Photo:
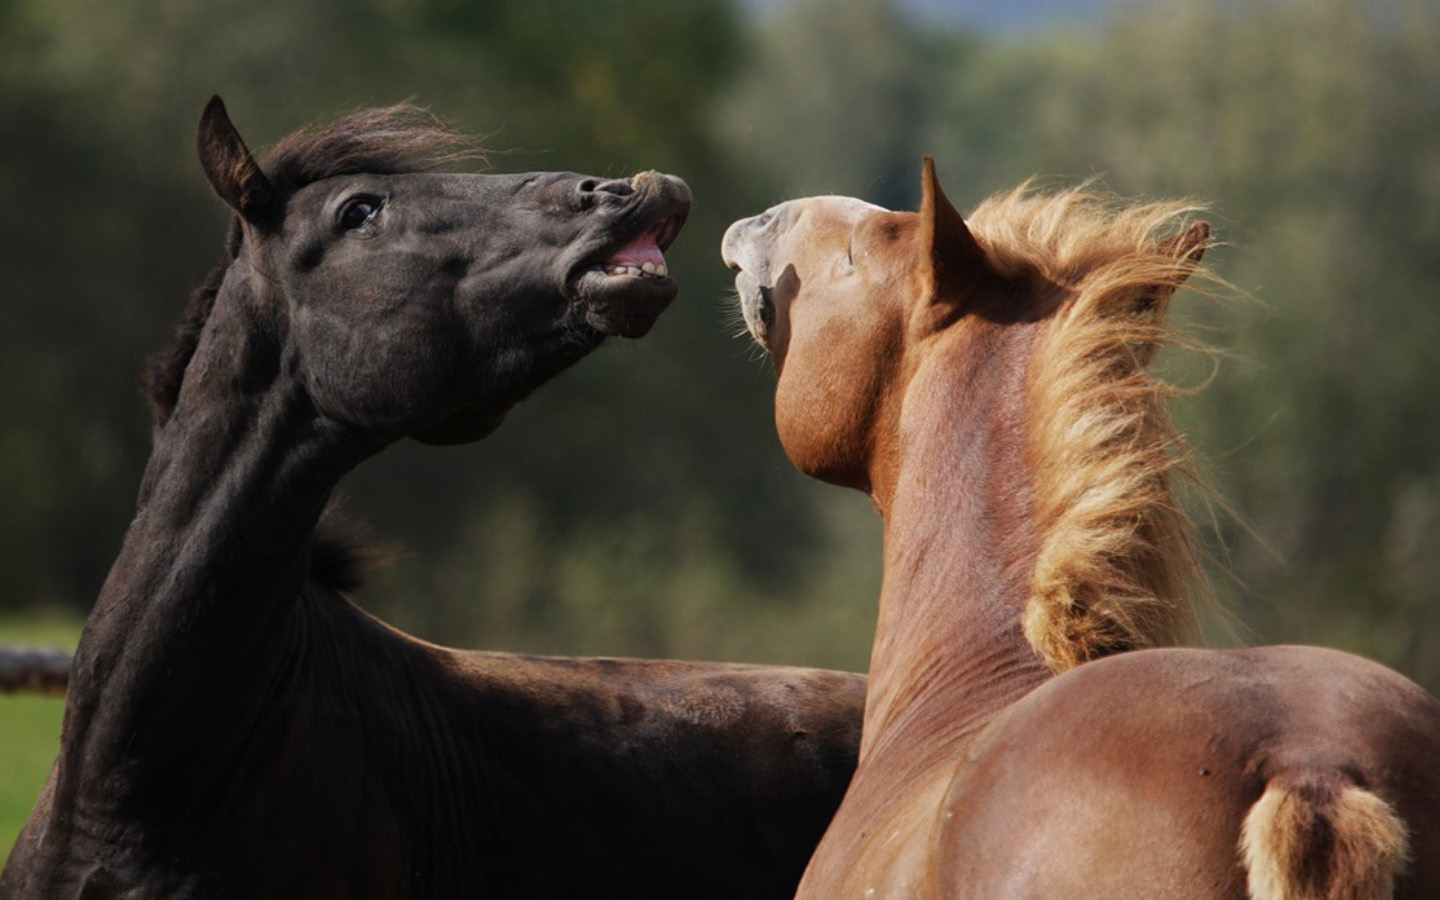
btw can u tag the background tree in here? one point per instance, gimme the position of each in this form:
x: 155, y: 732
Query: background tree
x: 641, y: 504
x: 1311, y: 128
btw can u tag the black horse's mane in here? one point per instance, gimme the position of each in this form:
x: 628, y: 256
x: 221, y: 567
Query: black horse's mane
x: 389, y: 140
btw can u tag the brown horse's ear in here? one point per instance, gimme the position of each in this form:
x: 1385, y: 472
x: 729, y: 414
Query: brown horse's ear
x: 1189, y: 245
x: 956, y: 258
x: 1186, y: 248
x: 228, y: 164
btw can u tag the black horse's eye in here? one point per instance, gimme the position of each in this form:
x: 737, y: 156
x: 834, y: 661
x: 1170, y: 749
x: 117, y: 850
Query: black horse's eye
x: 359, y: 214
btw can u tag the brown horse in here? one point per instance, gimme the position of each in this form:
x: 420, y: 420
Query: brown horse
x: 986, y: 385
x: 235, y: 727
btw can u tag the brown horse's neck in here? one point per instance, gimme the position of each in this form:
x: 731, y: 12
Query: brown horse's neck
x: 197, y: 615
x: 959, y: 543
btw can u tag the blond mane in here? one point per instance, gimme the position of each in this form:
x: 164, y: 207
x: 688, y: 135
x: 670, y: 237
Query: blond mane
x: 1118, y: 562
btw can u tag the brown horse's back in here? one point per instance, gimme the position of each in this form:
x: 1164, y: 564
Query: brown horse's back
x: 1290, y: 769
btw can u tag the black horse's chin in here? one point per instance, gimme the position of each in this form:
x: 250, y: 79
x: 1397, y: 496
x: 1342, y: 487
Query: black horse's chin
x: 623, y: 305
x: 461, y: 428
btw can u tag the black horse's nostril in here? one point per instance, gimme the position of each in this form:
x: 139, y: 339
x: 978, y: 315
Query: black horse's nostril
x: 618, y: 186
x: 590, y: 191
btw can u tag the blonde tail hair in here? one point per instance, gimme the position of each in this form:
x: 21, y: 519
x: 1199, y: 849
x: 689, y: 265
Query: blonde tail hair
x: 1317, y: 838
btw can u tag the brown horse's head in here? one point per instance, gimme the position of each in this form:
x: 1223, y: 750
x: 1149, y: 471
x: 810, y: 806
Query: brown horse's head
x: 838, y: 290
x: 419, y: 303
x: 1005, y: 365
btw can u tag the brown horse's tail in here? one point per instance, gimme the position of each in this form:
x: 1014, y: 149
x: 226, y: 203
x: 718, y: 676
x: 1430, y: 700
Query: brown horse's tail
x: 1320, y: 837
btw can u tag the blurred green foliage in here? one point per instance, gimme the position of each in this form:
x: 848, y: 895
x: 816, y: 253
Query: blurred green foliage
x: 641, y: 505
x: 1313, y: 130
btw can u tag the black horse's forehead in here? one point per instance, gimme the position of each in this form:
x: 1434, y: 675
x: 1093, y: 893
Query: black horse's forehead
x: 485, y: 186
x: 465, y: 187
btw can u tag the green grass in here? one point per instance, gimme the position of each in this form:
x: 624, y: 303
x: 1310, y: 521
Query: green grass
x: 29, y: 725
x: 31, y: 728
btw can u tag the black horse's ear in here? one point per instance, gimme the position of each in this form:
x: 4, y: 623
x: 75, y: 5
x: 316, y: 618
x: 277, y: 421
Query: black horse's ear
x: 228, y: 164
x: 956, y: 259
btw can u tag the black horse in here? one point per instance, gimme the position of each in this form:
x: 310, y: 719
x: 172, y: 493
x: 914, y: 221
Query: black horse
x: 236, y: 728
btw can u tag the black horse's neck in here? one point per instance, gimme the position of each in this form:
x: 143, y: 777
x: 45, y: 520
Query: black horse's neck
x: 198, y: 615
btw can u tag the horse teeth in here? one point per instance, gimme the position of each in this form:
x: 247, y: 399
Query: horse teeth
x: 644, y: 270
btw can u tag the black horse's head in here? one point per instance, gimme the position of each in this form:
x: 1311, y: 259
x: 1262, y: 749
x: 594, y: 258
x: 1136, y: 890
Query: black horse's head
x: 427, y: 304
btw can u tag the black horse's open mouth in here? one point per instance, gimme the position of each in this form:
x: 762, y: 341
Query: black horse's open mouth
x: 644, y: 256
x: 626, y: 284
